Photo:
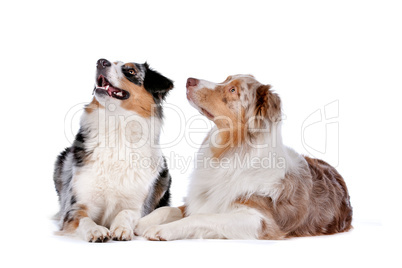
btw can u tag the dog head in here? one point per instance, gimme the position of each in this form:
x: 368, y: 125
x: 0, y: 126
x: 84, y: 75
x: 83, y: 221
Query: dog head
x: 132, y: 86
x: 241, y: 107
x: 240, y: 99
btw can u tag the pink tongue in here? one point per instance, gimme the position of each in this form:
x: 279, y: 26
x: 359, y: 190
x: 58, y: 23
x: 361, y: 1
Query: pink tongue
x: 111, y: 90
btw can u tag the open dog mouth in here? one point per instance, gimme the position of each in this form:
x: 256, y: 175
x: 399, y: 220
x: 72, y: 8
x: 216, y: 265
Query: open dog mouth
x: 103, y: 86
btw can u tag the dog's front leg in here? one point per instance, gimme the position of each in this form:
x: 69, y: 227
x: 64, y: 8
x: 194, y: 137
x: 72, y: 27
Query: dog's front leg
x: 159, y: 216
x: 122, y: 228
x: 92, y: 232
x: 76, y: 220
x: 242, y: 223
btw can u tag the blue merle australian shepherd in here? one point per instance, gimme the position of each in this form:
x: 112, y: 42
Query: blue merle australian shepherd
x: 114, y: 173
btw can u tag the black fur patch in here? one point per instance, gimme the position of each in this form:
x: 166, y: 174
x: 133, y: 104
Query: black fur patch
x: 159, y: 194
x: 63, y: 172
x: 165, y: 200
x: 158, y: 86
x: 155, y: 83
x: 78, y: 148
x: 73, y: 200
x: 135, y: 78
x: 58, y: 169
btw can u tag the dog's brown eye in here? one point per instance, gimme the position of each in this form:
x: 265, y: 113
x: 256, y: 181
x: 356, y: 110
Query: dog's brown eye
x: 232, y: 90
x: 131, y: 72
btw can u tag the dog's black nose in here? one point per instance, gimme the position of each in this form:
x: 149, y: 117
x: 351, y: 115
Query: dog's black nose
x: 103, y: 63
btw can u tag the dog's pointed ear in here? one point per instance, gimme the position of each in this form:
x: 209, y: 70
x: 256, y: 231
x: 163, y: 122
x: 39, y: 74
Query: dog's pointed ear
x: 156, y: 84
x: 267, y: 107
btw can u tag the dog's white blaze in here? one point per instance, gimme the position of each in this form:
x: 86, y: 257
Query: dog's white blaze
x: 205, y: 84
x: 114, y: 74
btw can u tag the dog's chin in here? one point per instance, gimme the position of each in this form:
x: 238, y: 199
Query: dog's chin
x: 101, y: 93
x: 202, y: 111
x: 206, y: 114
x: 104, y: 98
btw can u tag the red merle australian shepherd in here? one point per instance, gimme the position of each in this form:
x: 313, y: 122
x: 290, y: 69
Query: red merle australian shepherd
x: 251, y: 186
x: 103, y: 187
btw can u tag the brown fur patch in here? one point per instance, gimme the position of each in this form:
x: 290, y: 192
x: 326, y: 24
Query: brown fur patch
x: 269, y: 229
x: 331, y: 196
x: 220, y: 102
x: 313, y: 201
x: 230, y: 121
x: 228, y: 139
x: 183, y: 210
x: 93, y: 105
x: 268, y: 105
x: 72, y: 220
x: 228, y: 79
x: 140, y: 101
x: 129, y: 64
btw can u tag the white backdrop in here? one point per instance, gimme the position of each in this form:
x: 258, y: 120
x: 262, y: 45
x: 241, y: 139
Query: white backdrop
x: 336, y: 65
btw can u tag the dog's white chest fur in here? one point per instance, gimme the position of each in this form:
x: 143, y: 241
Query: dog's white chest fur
x: 110, y: 186
x: 214, y: 190
x: 115, y: 176
x: 216, y: 186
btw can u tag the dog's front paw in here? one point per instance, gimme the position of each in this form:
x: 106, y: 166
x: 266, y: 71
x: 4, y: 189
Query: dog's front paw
x: 122, y: 233
x: 97, y: 234
x: 154, y: 233
x: 160, y: 233
x: 142, y: 225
